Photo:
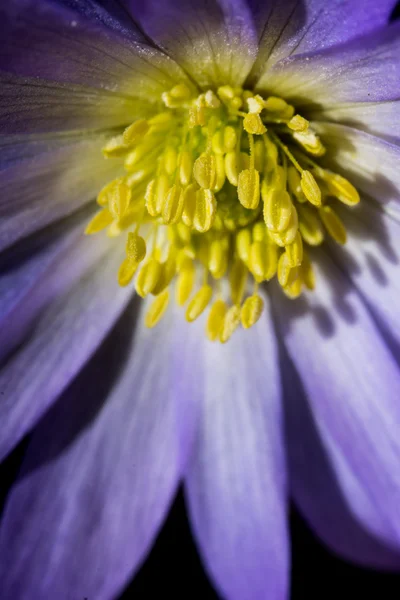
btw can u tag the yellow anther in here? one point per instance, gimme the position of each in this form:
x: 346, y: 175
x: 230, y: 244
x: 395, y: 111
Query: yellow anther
x: 185, y: 281
x: 278, y: 209
x: 135, y: 247
x: 286, y: 273
x: 333, y: 224
x: 226, y: 93
x: 119, y: 196
x: 206, y: 208
x: 189, y: 204
x: 173, y: 205
x: 230, y: 138
x: 148, y: 277
x: 100, y: 221
x: 211, y: 100
x: 310, y: 142
x: 259, y: 232
x: 181, y: 92
x: 157, y: 309
x: 232, y: 167
x: 199, y: 303
x: 258, y: 262
x: 170, y: 160
x: 217, y: 259
x: 255, y: 104
x: 220, y: 173
x: 168, y: 271
x: 259, y: 155
x: 274, y: 104
x: 184, y: 233
x: 204, y: 171
x: 140, y: 153
x: 294, y: 183
x: 217, y: 142
x: 230, y: 323
x: 310, y: 188
x: 243, y: 244
x: 163, y: 118
x: 126, y: 271
x: 185, y: 168
x: 249, y: 188
x: 293, y: 289
x: 251, y: 311
x: 238, y: 279
x: 215, y: 321
x: 298, y: 123
x: 307, y: 272
x: 253, y: 124
x: 294, y: 251
x: 115, y: 147
x: 156, y: 192
x: 283, y: 238
x: 135, y: 132
x: 310, y: 226
x: 342, y: 189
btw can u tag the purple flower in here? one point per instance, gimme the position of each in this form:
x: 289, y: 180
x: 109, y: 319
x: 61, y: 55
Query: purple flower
x: 228, y: 141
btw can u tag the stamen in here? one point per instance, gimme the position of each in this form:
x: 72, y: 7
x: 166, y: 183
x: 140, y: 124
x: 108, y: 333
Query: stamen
x: 189, y: 204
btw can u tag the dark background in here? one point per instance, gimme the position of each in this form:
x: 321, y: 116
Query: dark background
x: 174, y: 567
x: 317, y: 574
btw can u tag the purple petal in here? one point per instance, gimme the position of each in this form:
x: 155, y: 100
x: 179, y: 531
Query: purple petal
x: 371, y: 259
x: 64, y: 336
x: 315, y: 488
x: 352, y: 383
x: 32, y: 105
x: 41, y: 39
x: 291, y: 27
x: 44, y: 180
x: 371, y: 163
x: 204, y: 38
x: 102, y: 468
x: 236, y: 480
x: 364, y: 70
x: 376, y: 118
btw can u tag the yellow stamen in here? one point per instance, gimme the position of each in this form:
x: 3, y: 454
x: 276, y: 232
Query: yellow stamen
x: 198, y: 303
x: 333, y: 224
x: 157, y: 309
x: 215, y: 321
x: 251, y: 311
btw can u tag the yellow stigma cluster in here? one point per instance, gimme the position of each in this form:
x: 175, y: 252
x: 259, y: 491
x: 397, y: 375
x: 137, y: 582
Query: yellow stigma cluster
x: 220, y: 194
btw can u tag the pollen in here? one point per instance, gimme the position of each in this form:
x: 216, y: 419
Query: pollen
x: 220, y: 193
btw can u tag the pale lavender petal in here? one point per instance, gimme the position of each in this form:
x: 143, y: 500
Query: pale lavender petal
x: 61, y: 337
x: 47, y: 40
x: 364, y: 70
x: 45, y: 180
x: 371, y: 258
x: 98, y: 490
x: 292, y: 27
x: 215, y: 42
x: 314, y: 485
x: 376, y: 118
x: 352, y: 382
x: 370, y: 162
x: 236, y: 482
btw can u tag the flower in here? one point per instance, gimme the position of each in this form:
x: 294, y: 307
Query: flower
x: 276, y: 116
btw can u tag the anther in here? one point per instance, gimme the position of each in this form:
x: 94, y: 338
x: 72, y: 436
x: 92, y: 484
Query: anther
x: 310, y: 188
x: 157, y: 309
x: 215, y: 321
x: 198, y: 303
x: 251, y: 311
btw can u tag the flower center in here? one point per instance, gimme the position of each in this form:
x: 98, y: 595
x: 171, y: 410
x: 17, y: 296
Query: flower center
x: 219, y: 195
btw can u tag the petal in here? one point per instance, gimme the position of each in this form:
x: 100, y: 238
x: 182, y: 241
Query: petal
x: 376, y: 118
x: 371, y: 163
x: 291, y: 27
x: 352, y: 383
x: 60, y: 339
x: 203, y: 38
x: 371, y: 259
x: 236, y: 480
x: 101, y: 469
x: 364, y: 70
x: 32, y: 105
x: 41, y: 39
x: 315, y: 487
x: 44, y: 180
